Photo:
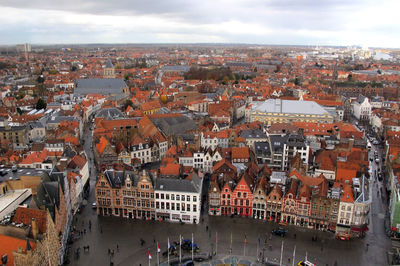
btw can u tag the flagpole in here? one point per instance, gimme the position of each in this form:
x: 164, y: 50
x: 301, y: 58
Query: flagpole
x: 244, y: 246
x: 192, y: 247
x: 230, y: 250
x: 280, y: 263
x: 168, y: 252
x: 158, y: 254
x: 149, y: 258
x: 180, y: 248
x: 294, y: 254
x: 216, y: 242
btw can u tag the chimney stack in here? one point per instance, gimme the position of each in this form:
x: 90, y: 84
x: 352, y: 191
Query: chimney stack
x: 35, y: 229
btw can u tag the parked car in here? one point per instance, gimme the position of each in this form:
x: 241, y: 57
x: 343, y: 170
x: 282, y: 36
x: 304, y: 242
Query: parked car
x: 94, y: 205
x: 188, y: 263
x: 279, y: 232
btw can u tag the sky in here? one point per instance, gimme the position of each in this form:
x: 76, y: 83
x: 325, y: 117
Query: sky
x: 365, y: 23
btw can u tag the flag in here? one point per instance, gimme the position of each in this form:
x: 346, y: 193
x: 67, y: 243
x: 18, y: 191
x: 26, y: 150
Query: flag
x: 169, y: 246
x: 149, y: 255
x: 158, y: 248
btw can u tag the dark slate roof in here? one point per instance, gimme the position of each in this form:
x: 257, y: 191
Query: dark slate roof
x: 277, y: 142
x: 110, y: 113
x: 6, y: 173
x: 174, y: 125
x: 35, y: 124
x: 262, y: 148
x: 360, y: 99
x: 118, y: 178
x: 99, y: 86
x: 109, y: 64
x: 295, y: 140
x: 179, y: 185
x: 176, y: 68
x: 60, y: 118
x: 253, y: 134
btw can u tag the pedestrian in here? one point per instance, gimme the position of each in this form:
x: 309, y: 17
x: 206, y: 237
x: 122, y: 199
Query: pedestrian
x: 154, y: 239
x: 109, y: 251
x: 117, y: 248
x: 288, y: 260
x: 294, y: 236
x: 367, y: 246
x: 206, y: 227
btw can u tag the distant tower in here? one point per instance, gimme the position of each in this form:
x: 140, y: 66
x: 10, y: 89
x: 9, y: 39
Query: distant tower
x: 109, y: 70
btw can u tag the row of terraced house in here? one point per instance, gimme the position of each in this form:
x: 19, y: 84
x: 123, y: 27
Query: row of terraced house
x: 301, y: 200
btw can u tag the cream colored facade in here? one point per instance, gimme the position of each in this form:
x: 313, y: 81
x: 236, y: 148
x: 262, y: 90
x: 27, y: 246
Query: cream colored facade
x: 272, y: 118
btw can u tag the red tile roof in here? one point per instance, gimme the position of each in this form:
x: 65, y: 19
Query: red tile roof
x: 9, y: 244
x: 24, y: 215
x: 240, y: 153
x: 170, y: 169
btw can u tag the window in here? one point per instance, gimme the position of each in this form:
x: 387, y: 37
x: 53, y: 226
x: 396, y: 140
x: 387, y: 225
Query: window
x: 118, y: 201
x: 188, y: 207
x: 223, y: 196
x: 142, y: 194
x: 187, y: 198
x: 172, y: 197
x: 172, y: 206
x: 167, y: 206
x: 245, y: 195
x: 183, y: 197
x: 239, y: 194
x: 162, y: 205
x: 177, y: 207
x: 162, y: 196
x: 178, y: 197
x: 194, y: 207
x: 157, y: 205
x: 157, y: 196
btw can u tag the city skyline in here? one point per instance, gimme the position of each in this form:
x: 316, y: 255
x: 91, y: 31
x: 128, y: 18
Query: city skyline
x: 332, y: 23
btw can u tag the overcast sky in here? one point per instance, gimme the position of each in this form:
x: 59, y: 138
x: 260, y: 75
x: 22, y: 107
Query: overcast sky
x: 307, y: 22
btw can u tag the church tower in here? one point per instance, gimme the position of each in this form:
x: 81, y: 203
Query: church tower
x: 109, y: 70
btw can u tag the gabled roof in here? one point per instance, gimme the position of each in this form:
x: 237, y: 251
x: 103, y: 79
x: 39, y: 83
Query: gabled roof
x: 224, y: 162
x: 9, y: 244
x: 101, y: 145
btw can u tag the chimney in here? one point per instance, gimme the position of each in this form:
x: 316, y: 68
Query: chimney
x: 351, y: 143
x: 35, y: 229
